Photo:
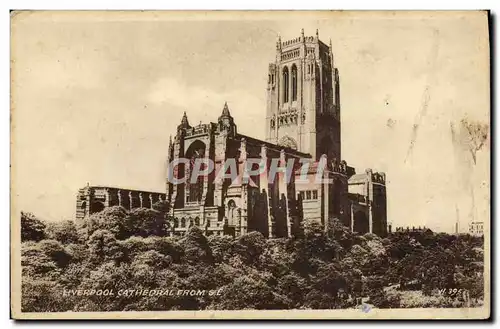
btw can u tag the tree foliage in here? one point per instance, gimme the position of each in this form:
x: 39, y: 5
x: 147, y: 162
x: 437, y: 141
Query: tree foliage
x: 119, y: 250
x: 32, y: 229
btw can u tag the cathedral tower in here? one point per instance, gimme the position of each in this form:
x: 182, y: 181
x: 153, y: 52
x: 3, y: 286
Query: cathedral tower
x: 303, y: 105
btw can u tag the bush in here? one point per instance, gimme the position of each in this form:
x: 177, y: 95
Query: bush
x: 317, y: 270
x: 32, y: 229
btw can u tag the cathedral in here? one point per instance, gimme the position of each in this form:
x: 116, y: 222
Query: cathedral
x: 303, y: 121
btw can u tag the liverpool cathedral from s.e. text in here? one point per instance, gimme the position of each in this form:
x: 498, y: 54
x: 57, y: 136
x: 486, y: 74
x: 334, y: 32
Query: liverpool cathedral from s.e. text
x: 303, y: 120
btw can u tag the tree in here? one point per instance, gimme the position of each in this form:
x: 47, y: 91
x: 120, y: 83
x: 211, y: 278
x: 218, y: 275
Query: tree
x: 246, y: 292
x: 221, y: 247
x: 162, y: 206
x: 196, y: 248
x: 110, y: 277
x: 31, y: 227
x: 36, y: 263
x: 153, y: 259
x: 317, y: 270
x: 249, y: 247
x: 294, y: 287
x: 43, y: 296
x: 112, y: 219
x: 145, y: 222
x: 55, y: 251
x: 64, y: 232
x: 103, y: 246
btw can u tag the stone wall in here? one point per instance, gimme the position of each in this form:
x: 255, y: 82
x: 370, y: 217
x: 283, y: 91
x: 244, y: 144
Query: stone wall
x: 92, y: 199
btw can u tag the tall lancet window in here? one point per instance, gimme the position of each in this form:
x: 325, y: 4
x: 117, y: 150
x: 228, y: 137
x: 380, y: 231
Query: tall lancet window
x: 194, y: 189
x: 294, y: 82
x: 286, y: 85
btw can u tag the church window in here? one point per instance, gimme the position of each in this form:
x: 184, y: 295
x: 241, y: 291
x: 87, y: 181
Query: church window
x: 231, y: 206
x: 195, y: 189
x: 285, y: 85
x: 294, y: 82
x: 287, y: 141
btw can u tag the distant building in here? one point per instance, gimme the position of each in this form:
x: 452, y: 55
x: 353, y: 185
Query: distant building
x: 92, y: 199
x: 476, y: 228
x: 412, y: 229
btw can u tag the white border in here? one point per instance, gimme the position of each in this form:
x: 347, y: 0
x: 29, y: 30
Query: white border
x: 186, y: 4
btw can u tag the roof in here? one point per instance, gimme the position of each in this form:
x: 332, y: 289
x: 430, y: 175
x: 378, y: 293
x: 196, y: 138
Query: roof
x: 120, y: 188
x: 276, y: 147
x: 357, y: 178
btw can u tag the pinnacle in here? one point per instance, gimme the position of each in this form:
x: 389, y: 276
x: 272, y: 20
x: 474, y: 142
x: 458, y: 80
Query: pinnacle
x: 225, y: 110
x: 184, y: 120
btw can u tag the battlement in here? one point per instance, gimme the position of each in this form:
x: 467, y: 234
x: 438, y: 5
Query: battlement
x: 298, y: 40
x: 411, y: 229
x: 283, y: 45
x: 201, y: 129
x: 376, y: 177
x: 368, y: 175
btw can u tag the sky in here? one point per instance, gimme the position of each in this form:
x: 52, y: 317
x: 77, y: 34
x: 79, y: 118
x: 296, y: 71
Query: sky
x: 95, y: 97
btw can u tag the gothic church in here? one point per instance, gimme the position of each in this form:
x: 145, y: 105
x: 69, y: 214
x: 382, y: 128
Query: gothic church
x: 303, y: 120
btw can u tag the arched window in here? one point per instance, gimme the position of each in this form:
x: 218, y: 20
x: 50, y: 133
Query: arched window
x: 96, y: 206
x: 231, y: 206
x: 285, y: 84
x: 84, y: 208
x: 194, y: 186
x: 294, y: 82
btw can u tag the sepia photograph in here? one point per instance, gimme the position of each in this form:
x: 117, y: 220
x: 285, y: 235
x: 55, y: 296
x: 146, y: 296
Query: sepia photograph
x: 250, y: 165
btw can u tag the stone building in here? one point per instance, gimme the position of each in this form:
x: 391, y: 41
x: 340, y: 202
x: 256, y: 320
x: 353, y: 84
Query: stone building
x: 368, y: 202
x: 92, y: 199
x: 303, y: 121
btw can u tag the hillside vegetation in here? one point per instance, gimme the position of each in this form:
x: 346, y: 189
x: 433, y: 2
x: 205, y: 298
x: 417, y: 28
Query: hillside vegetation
x: 118, y: 251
